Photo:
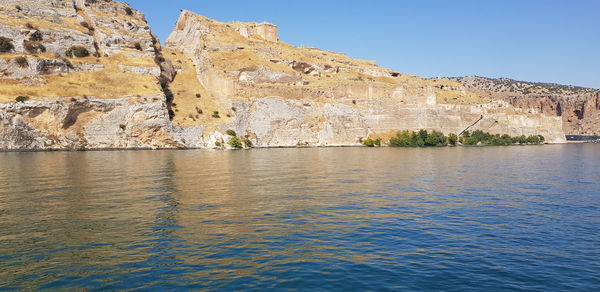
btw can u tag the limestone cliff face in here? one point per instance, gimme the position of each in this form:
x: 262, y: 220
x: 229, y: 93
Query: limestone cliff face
x: 89, y: 74
x: 579, y: 107
x: 280, y: 95
x: 107, y: 97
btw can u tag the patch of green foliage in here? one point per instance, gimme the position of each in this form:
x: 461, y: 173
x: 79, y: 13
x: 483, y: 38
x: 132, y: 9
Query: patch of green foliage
x: 372, y: 142
x: 484, y: 138
x: 235, y: 143
x: 452, y: 139
x: 247, y: 142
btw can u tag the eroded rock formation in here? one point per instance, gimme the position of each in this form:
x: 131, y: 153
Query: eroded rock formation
x: 579, y: 107
x: 90, y: 74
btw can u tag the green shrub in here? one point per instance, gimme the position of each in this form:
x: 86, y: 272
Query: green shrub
x: 423, y: 134
x: 369, y: 142
x: 247, y: 142
x: 77, y: 51
x: 542, y: 139
x: 452, y: 139
x: 471, y: 141
x: 22, y: 98
x: 435, y: 138
x: 22, y: 62
x: 402, y: 139
x: 6, y: 45
x: 231, y: 133
x: 138, y: 46
x: 533, y: 139
x: 235, y: 143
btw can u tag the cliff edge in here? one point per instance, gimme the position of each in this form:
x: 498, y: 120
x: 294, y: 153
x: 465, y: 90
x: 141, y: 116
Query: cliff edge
x: 89, y: 74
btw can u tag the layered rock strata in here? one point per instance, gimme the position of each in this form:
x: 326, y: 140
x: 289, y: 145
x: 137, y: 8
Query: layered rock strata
x: 209, y: 78
x: 579, y: 107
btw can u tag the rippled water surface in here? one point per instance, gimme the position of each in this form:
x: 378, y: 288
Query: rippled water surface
x: 456, y: 219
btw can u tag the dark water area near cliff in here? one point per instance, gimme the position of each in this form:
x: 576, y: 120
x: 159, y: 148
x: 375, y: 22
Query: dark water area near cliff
x: 519, y: 218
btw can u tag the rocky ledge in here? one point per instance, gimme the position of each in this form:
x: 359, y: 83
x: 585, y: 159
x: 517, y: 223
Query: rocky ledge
x: 89, y: 74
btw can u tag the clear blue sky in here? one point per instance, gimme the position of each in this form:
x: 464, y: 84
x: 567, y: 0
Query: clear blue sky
x: 534, y: 40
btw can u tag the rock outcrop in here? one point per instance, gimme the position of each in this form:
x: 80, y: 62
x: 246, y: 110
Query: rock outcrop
x: 89, y: 74
x: 579, y: 107
x: 281, y: 95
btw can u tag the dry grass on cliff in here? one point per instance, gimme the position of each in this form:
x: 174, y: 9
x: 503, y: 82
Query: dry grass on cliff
x: 189, y: 109
x: 66, y: 23
x: 107, y: 83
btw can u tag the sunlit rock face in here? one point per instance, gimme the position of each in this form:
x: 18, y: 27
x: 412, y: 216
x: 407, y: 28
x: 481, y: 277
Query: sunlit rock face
x: 90, y: 74
x: 282, y: 95
x: 579, y: 107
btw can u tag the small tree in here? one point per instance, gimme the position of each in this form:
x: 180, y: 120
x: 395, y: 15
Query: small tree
x: 247, y: 142
x: 6, y: 45
x: 235, y: 143
x: 452, y: 139
x: 435, y: 138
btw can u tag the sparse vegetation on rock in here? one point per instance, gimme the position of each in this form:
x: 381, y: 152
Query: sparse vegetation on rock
x: 6, y: 45
x: 22, y: 62
x: 77, y: 51
x: 21, y: 98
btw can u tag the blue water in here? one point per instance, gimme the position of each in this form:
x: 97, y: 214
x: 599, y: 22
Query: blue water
x: 338, y: 219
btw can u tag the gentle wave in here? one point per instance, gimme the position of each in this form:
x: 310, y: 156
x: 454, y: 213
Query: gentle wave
x: 455, y: 219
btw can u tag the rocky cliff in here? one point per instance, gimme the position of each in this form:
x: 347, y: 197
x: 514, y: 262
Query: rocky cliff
x: 89, y: 74
x: 282, y: 95
x: 579, y: 107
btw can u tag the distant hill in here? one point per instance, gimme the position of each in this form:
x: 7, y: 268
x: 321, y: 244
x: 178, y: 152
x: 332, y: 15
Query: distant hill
x: 578, y: 106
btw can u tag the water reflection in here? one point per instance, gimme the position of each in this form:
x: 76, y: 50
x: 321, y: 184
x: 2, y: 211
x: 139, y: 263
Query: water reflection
x: 335, y: 219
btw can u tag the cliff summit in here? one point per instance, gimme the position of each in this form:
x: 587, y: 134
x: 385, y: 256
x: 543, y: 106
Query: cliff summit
x: 89, y: 74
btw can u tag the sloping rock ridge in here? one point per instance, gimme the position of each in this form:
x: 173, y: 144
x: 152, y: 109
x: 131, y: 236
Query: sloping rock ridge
x: 89, y: 74
x: 579, y: 107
